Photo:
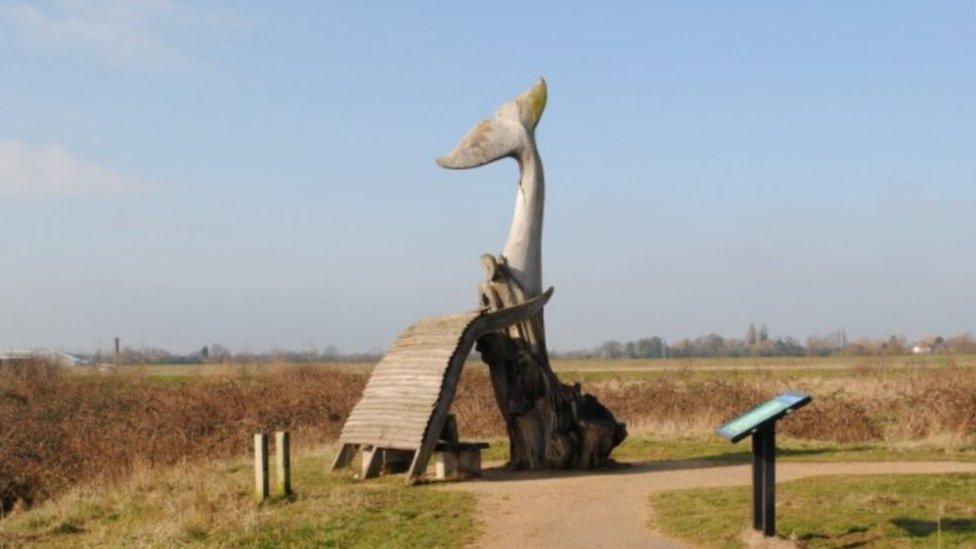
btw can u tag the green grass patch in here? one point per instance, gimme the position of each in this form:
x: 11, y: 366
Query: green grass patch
x: 840, y: 511
x: 340, y: 511
x: 213, y: 506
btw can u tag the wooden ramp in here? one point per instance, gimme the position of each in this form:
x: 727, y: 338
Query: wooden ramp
x: 406, y: 401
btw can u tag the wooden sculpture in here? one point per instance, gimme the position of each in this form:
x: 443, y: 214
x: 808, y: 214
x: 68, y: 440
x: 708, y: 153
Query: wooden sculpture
x: 550, y: 425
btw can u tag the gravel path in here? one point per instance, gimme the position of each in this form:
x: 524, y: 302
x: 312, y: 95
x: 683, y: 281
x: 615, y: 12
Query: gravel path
x: 610, y: 509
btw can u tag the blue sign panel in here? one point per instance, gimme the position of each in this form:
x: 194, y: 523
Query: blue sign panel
x: 771, y: 410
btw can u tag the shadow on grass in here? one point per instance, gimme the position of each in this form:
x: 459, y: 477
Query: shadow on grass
x: 918, y: 528
x: 856, y: 536
x: 501, y: 474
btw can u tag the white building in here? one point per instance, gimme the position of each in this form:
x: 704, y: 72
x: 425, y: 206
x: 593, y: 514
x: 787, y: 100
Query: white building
x: 921, y: 349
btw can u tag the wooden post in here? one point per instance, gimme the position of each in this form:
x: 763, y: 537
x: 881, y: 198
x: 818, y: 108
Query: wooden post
x: 283, y: 463
x: 260, y: 467
x: 118, y: 352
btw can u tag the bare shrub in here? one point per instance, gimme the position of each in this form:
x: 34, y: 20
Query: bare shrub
x: 57, y: 429
x: 836, y: 419
x: 475, y: 406
x: 869, y: 405
x: 673, y: 400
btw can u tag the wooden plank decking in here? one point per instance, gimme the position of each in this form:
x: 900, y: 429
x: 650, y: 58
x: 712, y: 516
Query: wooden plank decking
x: 405, y: 386
x: 406, y: 400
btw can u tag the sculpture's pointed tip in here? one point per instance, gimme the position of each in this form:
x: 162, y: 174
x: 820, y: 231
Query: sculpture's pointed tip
x: 532, y: 103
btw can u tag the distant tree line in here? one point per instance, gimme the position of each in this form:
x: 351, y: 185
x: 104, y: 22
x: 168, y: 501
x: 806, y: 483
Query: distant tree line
x: 757, y: 342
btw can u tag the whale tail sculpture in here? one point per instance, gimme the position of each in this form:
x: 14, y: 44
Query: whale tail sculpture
x: 506, y: 134
x: 550, y: 425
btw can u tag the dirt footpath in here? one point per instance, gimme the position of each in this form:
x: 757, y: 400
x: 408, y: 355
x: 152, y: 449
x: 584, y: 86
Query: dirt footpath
x: 610, y: 509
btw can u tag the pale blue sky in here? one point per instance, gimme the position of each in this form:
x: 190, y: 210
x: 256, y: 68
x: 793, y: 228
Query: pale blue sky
x: 261, y: 174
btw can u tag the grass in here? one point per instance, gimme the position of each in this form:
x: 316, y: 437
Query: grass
x: 212, y: 505
x: 841, y: 511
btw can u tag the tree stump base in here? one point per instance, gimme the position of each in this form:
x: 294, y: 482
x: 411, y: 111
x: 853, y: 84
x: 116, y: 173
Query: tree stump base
x: 550, y: 425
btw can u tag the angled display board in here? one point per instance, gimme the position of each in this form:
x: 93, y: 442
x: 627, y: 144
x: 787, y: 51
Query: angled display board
x: 769, y: 411
x: 760, y: 422
x: 407, y: 398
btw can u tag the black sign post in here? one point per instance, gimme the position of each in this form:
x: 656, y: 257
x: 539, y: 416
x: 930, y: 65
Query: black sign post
x: 760, y: 422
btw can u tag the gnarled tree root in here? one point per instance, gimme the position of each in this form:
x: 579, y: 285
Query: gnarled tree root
x: 550, y: 425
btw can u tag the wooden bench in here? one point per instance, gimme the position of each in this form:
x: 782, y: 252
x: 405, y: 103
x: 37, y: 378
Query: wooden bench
x: 458, y: 459
x: 409, y: 393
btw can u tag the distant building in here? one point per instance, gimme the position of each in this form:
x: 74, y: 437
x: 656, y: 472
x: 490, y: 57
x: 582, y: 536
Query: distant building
x: 928, y: 346
x: 49, y: 355
x: 921, y: 349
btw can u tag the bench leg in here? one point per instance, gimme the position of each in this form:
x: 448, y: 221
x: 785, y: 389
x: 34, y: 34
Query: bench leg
x: 372, y: 460
x: 469, y: 462
x: 446, y: 464
x: 344, y: 456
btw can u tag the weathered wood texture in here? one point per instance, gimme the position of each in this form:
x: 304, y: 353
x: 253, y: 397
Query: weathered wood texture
x: 405, y: 386
x: 261, y: 483
x: 283, y: 463
x: 458, y: 459
x: 372, y: 461
x: 406, y: 400
x: 344, y: 456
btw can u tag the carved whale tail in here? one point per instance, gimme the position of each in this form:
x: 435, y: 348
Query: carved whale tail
x: 501, y: 135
